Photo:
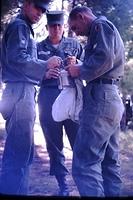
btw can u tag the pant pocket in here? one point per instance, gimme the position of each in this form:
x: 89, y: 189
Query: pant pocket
x: 113, y: 109
x: 7, y: 103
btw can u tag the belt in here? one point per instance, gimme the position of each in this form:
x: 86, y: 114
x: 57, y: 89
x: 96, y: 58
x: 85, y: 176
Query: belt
x: 106, y: 81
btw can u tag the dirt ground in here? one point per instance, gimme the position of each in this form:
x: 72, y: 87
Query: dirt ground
x: 44, y: 185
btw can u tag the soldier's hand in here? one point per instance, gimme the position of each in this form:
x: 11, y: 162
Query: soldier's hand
x: 54, y: 62
x: 52, y: 73
x: 73, y: 70
x: 70, y: 60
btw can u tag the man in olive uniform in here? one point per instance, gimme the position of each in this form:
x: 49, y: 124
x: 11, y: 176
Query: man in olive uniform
x: 96, y: 166
x: 56, y: 44
x: 21, y: 71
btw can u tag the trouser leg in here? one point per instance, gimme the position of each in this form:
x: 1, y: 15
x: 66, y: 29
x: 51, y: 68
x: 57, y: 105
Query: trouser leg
x: 111, y: 167
x: 86, y: 164
x: 53, y: 132
x: 101, y: 115
x: 19, y: 147
x: 62, y: 183
x: 15, y: 181
x: 18, y: 154
x: 71, y: 129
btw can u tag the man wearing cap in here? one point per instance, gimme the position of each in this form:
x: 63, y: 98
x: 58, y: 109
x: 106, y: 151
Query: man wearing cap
x: 68, y: 49
x: 96, y: 163
x: 21, y: 71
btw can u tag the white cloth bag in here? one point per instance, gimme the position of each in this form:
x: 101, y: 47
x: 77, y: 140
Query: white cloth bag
x: 68, y: 104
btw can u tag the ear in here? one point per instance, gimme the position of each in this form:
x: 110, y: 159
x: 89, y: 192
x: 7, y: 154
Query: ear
x: 80, y: 16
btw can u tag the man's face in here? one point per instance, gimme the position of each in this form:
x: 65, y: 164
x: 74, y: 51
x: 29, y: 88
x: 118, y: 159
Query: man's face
x: 33, y: 12
x: 77, y: 26
x: 55, y: 31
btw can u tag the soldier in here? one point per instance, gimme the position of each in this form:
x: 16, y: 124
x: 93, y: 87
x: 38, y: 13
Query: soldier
x: 128, y: 108
x: 21, y: 71
x: 96, y: 167
x: 56, y: 44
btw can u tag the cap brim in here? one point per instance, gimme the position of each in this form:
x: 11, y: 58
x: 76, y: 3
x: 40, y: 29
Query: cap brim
x: 43, y: 6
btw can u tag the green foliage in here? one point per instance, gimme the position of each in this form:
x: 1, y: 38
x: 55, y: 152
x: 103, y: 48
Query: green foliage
x: 120, y: 12
x: 8, y: 10
x: 8, y: 5
x: 127, y: 82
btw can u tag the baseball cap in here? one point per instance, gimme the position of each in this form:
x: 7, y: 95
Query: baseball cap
x: 43, y: 4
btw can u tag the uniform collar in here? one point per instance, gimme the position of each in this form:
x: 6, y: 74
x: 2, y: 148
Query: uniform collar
x: 49, y: 42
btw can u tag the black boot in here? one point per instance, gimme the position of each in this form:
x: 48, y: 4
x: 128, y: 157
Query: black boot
x: 62, y: 185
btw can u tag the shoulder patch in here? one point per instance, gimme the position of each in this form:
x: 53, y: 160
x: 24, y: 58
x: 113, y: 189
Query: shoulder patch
x: 96, y: 28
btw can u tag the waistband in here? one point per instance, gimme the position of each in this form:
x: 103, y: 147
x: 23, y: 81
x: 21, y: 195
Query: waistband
x: 106, y: 81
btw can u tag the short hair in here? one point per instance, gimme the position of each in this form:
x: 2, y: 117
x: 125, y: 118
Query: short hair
x: 79, y: 9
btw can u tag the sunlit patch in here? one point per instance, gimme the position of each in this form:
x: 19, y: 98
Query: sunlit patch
x: 40, y: 140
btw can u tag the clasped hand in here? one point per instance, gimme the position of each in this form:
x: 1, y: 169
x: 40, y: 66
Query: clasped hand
x: 73, y: 70
x: 54, y: 63
x: 72, y: 67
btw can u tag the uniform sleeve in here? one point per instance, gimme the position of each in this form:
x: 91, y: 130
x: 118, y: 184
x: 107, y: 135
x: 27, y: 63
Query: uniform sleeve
x: 21, y: 53
x: 99, y: 53
x: 80, y: 55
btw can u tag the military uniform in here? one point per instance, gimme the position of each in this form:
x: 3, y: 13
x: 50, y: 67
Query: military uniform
x: 21, y: 71
x: 96, y: 167
x: 53, y: 131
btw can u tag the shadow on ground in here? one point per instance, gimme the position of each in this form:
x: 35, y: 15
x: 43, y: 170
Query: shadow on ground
x: 42, y: 184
